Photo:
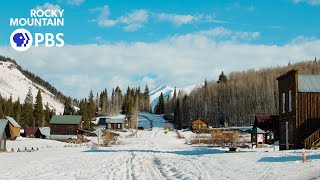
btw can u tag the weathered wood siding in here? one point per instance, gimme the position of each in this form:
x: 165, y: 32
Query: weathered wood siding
x: 304, y: 119
x: 64, y: 129
x: 286, y: 83
x: 308, y: 113
x: 15, y: 131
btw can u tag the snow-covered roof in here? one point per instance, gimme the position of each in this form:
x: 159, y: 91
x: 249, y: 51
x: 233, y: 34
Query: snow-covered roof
x: 256, y: 130
x: 45, y: 131
x: 13, y: 121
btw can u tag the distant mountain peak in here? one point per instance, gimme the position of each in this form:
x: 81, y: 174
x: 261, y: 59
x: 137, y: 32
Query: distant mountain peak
x: 169, y: 91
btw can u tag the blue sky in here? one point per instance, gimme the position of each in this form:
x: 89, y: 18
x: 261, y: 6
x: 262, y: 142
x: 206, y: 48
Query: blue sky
x: 138, y: 42
x: 277, y: 21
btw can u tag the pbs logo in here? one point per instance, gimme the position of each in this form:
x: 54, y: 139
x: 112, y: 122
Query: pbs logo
x: 22, y: 39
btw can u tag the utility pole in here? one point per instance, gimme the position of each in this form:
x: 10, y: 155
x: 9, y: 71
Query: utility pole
x: 287, y: 135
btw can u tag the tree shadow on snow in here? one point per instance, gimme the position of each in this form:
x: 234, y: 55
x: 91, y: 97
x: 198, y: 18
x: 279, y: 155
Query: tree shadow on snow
x: 185, y: 153
x: 287, y: 158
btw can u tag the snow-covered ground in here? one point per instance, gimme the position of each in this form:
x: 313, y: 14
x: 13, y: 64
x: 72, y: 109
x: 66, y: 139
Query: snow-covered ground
x: 154, y: 155
x: 14, y: 83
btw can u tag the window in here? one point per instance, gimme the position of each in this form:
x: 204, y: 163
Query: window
x: 283, y: 102
x: 290, y: 101
x: 70, y: 126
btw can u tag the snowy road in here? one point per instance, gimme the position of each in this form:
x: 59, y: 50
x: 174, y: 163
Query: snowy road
x: 155, y: 155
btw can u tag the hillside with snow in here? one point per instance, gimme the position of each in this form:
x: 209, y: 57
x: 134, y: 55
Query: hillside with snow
x: 13, y: 83
x: 169, y: 91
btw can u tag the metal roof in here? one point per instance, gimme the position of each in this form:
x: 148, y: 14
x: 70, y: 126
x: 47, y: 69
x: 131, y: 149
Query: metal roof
x: 256, y: 130
x: 13, y: 121
x: 115, y: 120
x: 30, y: 130
x: 67, y: 119
x: 45, y: 131
x: 308, y: 83
x: 3, y: 124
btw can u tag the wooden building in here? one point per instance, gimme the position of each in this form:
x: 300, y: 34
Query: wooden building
x: 299, y: 110
x: 107, y: 122
x: 65, y: 127
x: 257, y: 136
x: 43, y: 133
x: 115, y: 123
x: 3, y: 136
x: 200, y: 126
x: 12, y: 129
x: 30, y: 132
x: 269, y: 124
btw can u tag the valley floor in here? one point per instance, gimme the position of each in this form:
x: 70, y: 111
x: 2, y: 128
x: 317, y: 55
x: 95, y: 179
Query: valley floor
x: 152, y: 155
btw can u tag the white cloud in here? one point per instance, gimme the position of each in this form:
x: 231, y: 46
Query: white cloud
x: 138, y: 18
x: 311, y: 2
x: 131, y: 22
x: 177, y: 61
x: 182, y: 19
x: 73, y: 2
x: 223, y: 34
x: 134, y: 20
x: 178, y: 19
x: 49, y: 6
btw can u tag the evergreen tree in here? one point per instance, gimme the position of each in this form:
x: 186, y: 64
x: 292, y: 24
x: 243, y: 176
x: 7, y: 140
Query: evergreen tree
x: 146, y: 96
x: 29, y: 98
x: 68, y: 109
x: 9, y: 108
x: 1, y: 110
x: 17, y: 110
x: 177, y: 113
x: 47, y: 114
x: 160, y: 106
x: 27, y: 113
x: 38, y: 111
x: 222, y: 78
x: 91, y: 106
x: 104, y: 102
x: 86, y: 116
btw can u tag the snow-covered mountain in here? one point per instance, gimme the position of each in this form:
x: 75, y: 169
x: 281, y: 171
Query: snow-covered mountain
x: 14, y: 83
x: 169, y: 91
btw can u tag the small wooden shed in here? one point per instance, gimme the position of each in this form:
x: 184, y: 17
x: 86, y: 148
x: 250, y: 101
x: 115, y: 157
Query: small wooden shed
x: 43, y: 133
x: 115, y: 123
x: 13, y: 128
x: 3, y: 136
x: 30, y: 132
x: 270, y: 124
x: 200, y: 126
x: 257, y: 136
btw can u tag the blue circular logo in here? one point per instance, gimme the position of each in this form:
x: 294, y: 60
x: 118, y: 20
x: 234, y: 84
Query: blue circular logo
x: 21, y: 39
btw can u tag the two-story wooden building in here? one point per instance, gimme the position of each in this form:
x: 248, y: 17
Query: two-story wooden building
x: 65, y: 127
x: 299, y: 110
